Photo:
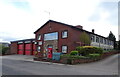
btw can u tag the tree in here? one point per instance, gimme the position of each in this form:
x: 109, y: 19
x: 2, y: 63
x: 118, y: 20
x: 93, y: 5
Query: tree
x: 112, y: 38
x: 85, y: 39
x: 119, y: 45
x: 3, y: 49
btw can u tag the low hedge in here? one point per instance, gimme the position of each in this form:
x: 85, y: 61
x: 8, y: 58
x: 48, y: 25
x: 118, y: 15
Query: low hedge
x: 94, y: 56
x: 86, y: 50
x: 74, y: 53
x: 68, y: 59
x: 72, y: 56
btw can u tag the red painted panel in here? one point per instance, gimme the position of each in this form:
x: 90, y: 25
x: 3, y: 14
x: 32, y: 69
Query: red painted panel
x: 27, y: 53
x: 20, y: 46
x: 27, y: 46
x: 20, y: 52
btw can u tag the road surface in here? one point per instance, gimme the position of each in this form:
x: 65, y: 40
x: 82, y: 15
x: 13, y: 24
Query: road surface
x: 18, y: 65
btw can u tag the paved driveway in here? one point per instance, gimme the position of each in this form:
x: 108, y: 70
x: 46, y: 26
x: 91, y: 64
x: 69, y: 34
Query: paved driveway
x: 23, y: 65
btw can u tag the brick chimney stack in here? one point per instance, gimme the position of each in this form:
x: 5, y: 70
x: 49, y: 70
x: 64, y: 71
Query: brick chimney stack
x: 79, y: 26
x: 93, y: 30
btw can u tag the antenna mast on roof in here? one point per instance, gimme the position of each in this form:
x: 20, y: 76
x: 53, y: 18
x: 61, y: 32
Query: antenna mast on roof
x: 49, y: 18
x: 48, y: 13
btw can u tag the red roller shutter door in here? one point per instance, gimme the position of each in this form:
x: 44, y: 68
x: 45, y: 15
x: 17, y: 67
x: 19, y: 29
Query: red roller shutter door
x: 27, y: 49
x: 20, y: 49
x: 33, y: 49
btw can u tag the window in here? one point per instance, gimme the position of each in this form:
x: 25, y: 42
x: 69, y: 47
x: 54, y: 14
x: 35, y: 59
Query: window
x: 101, y: 40
x: 104, y: 41
x: 107, y: 42
x: 40, y: 42
x: 35, y: 42
x: 38, y: 48
x: 92, y: 38
x: 97, y: 39
x: 112, y: 43
x: 64, y: 49
x: 27, y: 41
x: 39, y: 37
x: 64, y: 34
x: 20, y: 42
x: 51, y: 36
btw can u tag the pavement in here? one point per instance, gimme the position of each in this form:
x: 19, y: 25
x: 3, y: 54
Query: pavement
x: 24, y: 65
x: 27, y: 58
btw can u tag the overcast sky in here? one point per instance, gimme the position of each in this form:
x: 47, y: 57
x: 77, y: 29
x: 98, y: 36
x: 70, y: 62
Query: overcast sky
x: 20, y: 18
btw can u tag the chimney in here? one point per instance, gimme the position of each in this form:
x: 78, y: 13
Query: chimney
x: 93, y: 31
x: 79, y: 26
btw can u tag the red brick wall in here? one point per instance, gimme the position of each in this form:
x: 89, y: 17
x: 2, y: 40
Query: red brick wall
x: 73, y: 35
x: 13, y: 48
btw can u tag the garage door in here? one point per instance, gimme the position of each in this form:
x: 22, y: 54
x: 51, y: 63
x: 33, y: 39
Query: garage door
x: 33, y: 49
x: 27, y: 49
x: 20, y: 49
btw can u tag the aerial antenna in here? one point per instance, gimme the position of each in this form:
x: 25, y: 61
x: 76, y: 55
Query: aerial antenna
x: 49, y: 18
x: 48, y: 13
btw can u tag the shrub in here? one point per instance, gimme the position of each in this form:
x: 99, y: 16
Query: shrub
x: 99, y: 50
x: 35, y: 52
x: 94, y: 56
x: 78, y: 48
x: 3, y: 50
x: 86, y: 50
x: 74, y: 53
x: 64, y: 56
x: 72, y: 56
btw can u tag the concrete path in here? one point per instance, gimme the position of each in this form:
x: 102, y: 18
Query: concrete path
x: 19, y: 57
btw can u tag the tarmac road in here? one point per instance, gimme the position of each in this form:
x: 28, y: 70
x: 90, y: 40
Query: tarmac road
x: 24, y: 65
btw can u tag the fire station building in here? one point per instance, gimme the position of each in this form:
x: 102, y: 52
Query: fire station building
x: 60, y: 37
x: 23, y: 47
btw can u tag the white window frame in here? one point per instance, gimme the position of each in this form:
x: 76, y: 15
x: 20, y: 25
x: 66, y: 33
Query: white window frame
x: 97, y: 39
x: 38, y: 48
x: 92, y: 38
x: 40, y: 42
x: 39, y: 37
x: 105, y: 41
x: 101, y: 40
x: 35, y: 42
x: 65, y: 34
x: 64, y: 50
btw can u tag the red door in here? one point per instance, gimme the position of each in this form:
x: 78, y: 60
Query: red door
x: 49, y: 53
x: 20, y: 49
x: 33, y: 49
x: 27, y: 49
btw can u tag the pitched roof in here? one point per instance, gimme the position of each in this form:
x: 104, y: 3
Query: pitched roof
x: 69, y: 26
x: 23, y: 40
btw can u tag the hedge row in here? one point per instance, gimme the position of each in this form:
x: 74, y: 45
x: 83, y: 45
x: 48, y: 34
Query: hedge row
x: 86, y: 50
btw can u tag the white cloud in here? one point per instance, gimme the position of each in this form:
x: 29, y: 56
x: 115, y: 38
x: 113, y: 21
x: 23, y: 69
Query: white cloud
x: 21, y: 24
x: 16, y: 22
